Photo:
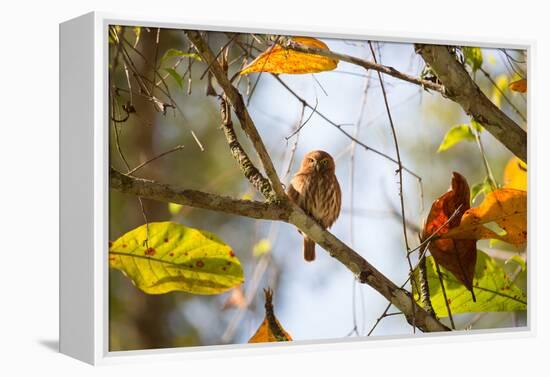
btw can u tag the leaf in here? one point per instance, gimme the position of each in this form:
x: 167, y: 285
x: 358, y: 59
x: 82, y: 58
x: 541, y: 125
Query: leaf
x: 495, y: 292
x: 456, y: 255
x: 518, y: 260
x: 263, y: 246
x: 501, y: 84
x: 481, y: 188
x: 173, y: 52
x: 278, y: 59
x: 506, y: 208
x: 473, y: 56
x: 455, y: 135
x: 249, y: 195
x: 476, y: 125
x: 515, y: 174
x: 176, y: 258
x: 176, y: 76
x: 174, y: 208
x: 270, y: 329
x: 518, y: 86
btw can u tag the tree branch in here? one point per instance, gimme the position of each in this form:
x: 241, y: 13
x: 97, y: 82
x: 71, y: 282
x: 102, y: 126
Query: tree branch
x: 292, y: 45
x: 193, y: 198
x: 287, y: 212
x: 236, y: 100
x: 460, y: 88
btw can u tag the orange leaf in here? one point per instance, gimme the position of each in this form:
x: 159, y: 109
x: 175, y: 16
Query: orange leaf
x: 505, y: 207
x: 515, y: 174
x: 519, y: 86
x: 457, y: 255
x: 270, y: 330
x: 277, y: 59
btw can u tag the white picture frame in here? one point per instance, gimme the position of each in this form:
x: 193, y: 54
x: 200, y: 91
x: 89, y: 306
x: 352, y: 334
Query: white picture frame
x: 84, y: 180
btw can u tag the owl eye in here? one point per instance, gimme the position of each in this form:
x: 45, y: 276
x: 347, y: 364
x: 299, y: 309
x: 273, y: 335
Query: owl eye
x: 324, y: 162
x: 311, y: 160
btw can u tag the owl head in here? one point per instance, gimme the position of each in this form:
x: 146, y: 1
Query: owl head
x: 318, y: 161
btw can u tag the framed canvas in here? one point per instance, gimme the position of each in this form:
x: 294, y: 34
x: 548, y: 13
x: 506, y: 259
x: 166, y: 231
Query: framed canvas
x: 245, y: 189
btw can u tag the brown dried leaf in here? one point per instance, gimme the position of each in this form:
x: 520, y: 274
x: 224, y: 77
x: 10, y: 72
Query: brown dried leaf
x: 270, y: 330
x: 456, y: 255
x: 519, y: 86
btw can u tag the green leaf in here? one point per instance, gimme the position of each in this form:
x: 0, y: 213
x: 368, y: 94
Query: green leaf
x: 176, y: 76
x: 473, y: 57
x: 262, y: 246
x: 480, y: 188
x: 176, y: 258
x: 174, y: 208
x: 494, y: 291
x: 476, y: 125
x: 519, y: 260
x: 455, y: 135
x: 501, y: 87
x: 170, y: 53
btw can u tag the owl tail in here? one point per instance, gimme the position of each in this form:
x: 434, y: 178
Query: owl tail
x: 309, y: 250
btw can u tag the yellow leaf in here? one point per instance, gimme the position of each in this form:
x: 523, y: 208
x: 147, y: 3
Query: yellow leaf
x: 501, y: 84
x: 278, y: 59
x: 515, y: 174
x: 505, y: 207
x: 270, y: 330
x: 247, y: 196
x: 176, y: 258
x: 261, y: 247
x: 518, y: 86
x: 174, y: 208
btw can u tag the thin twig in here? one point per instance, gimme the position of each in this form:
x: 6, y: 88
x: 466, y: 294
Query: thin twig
x: 352, y: 191
x: 176, y: 148
x: 400, y: 173
x: 290, y: 44
x: 445, y: 295
x: 299, y: 128
x: 514, y: 107
x: 339, y: 127
x: 236, y: 100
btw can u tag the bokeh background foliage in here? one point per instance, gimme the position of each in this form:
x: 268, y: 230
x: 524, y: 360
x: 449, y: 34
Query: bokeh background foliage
x: 318, y: 300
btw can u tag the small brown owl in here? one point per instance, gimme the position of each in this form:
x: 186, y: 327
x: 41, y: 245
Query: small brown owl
x: 316, y: 190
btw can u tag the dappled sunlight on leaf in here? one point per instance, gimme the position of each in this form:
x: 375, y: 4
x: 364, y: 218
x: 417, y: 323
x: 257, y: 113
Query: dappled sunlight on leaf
x: 494, y: 290
x: 270, y: 329
x: 456, y: 134
x: 515, y: 174
x: 176, y: 258
x: 277, y: 59
x: 505, y: 207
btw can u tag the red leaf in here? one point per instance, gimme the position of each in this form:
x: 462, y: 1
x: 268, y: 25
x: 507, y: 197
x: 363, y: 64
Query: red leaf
x: 456, y: 255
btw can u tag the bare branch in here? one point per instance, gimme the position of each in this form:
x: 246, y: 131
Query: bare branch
x: 290, y: 44
x: 236, y: 100
x: 460, y: 88
x: 193, y: 198
x: 237, y: 151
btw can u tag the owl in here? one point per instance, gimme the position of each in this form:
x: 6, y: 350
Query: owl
x: 315, y: 189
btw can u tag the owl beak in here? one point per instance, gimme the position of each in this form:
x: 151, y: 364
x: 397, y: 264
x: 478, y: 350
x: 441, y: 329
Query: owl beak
x: 317, y: 166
